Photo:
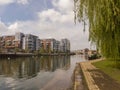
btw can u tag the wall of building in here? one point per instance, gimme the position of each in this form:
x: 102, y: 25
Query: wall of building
x: 29, y: 42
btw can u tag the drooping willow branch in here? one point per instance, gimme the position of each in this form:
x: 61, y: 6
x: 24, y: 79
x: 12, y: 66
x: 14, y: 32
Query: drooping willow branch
x: 104, y: 24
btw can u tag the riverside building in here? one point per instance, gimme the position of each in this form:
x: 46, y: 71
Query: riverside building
x: 65, y: 45
x: 30, y: 42
x: 21, y: 42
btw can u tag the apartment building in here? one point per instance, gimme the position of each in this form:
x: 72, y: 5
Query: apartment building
x: 65, y: 45
x: 38, y: 44
x: 11, y: 42
x: 19, y: 38
x: 52, y: 45
x: 48, y: 45
x: 30, y: 42
x: 8, y: 42
x: 57, y: 46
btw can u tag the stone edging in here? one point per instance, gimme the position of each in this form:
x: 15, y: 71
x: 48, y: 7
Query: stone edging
x: 85, y: 66
x: 77, y: 78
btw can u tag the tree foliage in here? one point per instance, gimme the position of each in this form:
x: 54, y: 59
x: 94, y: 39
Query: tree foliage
x: 104, y: 24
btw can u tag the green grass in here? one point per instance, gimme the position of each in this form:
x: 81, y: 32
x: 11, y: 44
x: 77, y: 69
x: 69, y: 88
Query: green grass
x: 109, y: 67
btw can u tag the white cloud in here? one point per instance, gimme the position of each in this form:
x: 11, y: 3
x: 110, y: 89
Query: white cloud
x: 55, y: 16
x: 13, y: 26
x: 63, y: 5
x: 8, y: 30
x: 4, y: 2
x: 55, y: 23
x: 48, y: 14
x: 3, y: 28
x: 22, y: 2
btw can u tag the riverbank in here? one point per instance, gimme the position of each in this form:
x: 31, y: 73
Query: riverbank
x: 15, y: 55
x: 78, y: 79
x: 96, y: 79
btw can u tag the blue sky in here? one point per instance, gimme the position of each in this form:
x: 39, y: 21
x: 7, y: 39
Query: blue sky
x: 19, y: 11
x: 44, y: 18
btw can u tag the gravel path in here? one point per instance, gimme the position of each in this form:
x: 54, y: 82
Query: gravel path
x: 96, y: 79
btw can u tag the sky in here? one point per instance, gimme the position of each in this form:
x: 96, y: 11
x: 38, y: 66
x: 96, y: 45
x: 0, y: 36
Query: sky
x: 44, y: 18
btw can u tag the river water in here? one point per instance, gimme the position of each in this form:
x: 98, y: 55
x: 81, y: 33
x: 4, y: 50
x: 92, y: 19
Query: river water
x: 38, y: 73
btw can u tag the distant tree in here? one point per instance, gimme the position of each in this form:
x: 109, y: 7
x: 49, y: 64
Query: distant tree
x: 16, y: 49
x: 27, y: 50
x: 48, y: 50
x: 42, y: 50
x: 36, y: 52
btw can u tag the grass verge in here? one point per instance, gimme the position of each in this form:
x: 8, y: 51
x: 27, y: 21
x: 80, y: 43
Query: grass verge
x: 108, y: 67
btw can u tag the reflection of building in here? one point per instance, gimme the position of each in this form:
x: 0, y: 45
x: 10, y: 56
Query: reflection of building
x: 55, y: 62
x: 20, y: 68
x: 29, y: 67
x: 63, y: 62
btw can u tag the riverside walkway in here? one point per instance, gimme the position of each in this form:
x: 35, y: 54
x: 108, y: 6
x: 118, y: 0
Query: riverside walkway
x: 96, y: 79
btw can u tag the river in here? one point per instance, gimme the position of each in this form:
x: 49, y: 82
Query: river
x: 38, y: 73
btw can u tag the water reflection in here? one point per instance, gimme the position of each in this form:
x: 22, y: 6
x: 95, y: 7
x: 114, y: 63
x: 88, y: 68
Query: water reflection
x: 31, y: 66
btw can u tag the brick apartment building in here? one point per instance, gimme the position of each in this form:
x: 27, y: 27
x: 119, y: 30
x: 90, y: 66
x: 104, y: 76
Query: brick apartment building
x: 29, y: 42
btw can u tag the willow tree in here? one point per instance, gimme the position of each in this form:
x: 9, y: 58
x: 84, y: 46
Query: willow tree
x: 104, y: 24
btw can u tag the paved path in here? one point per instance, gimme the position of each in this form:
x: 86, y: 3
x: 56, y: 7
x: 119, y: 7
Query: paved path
x: 96, y: 79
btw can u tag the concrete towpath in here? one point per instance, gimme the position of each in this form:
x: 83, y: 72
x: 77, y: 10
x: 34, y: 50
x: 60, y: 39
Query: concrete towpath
x: 96, y: 79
